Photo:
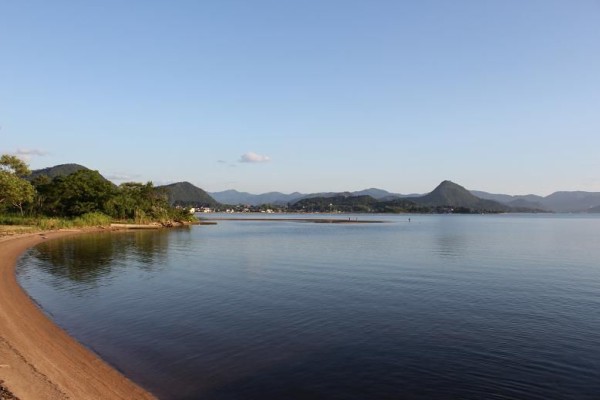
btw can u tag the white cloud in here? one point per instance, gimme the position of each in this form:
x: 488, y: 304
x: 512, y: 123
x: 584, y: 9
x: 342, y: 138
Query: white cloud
x: 28, y: 154
x: 121, y: 177
x: 252, y: 157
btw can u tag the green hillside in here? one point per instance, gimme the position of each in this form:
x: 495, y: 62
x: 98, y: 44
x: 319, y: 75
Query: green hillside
x: 186, y: 194
x: 449, y: 194
x: 336, y: 204
x: 57, y: 170
x: 357, y: 204
x: 447, y: 197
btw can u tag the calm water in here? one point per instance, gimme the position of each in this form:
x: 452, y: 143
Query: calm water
x: 445, y: 307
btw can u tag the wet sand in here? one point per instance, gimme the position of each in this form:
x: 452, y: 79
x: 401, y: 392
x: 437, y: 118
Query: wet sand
x: 39, y: 360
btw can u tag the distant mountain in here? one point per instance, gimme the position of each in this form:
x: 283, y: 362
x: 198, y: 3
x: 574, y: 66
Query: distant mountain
x: 594, y: 209
x: 57, y: 170
x: 278, y: 198
x: 523, y: 203
x: 557, y: 202
x: 377, y: 194
x: 356, y: 204
x: 446, y: 197
x: 234, y: 197
x: 449, y: 194
x: 572, y: 201
x: 506, y: 198
x: 336, y: 203
x: 186, y: 194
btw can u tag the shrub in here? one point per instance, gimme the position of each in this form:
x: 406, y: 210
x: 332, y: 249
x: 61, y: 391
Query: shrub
x: 92, y: 219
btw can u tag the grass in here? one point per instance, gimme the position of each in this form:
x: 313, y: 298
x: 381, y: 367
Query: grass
x: 9, y: 230
x: 13, y: 223
x: 50, y: 223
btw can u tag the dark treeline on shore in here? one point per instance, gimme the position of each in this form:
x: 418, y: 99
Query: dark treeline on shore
x: 83, y: 194
x: 367, y: 204
x: 72, y: 191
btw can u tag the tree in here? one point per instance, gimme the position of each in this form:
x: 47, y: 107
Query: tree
x: 14, y: 165
x: 13, y: 188
x: 137, y: 201
x: 81, y: 192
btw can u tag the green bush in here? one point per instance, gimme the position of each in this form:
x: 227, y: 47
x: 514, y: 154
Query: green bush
x: 53, y: 223
x: 92, y: 219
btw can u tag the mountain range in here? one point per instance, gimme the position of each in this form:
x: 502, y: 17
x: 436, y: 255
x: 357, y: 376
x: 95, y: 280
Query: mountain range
x: 576, y: 201
x: 446, y: 194
x: 447, y: 197
x: 563, y: 201
x: 450, y: 194
x: 277, y: 198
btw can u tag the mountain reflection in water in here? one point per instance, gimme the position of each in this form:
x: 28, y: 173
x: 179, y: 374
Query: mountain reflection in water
x: 444, y: 307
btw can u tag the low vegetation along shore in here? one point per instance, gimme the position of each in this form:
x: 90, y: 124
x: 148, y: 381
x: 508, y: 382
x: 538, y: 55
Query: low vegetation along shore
x: 83, y: 198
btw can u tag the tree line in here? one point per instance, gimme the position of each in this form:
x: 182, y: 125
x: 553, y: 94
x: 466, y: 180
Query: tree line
x: 81, y: 193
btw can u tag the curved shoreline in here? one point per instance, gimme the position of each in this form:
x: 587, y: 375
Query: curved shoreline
x: 39, y: 360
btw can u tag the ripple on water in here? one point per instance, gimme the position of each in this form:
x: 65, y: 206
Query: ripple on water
x: 445, y: 307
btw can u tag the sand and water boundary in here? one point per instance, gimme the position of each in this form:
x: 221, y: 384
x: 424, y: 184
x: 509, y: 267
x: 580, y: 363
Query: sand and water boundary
x: 38, y: 359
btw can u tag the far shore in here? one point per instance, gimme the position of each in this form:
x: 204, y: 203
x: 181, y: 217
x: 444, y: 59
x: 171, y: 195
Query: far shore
x: 39, y: 360
x: 353, y: 220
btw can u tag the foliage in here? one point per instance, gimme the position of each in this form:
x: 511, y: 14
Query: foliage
x: 92, y: 219
x: 57, y: 170
x: 47, y: 223
x: 14, y: 189
x: 59, y: 199
x: 336, y: 204
x: 346, y: 204
x: 362, y: 204
x: 82, y: 192
x: 14, y: 165
x: 136, y: 201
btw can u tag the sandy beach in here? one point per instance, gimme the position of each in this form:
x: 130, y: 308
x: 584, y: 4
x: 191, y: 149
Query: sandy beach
x: 39, y: 360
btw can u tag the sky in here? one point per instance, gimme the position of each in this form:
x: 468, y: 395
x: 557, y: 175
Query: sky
x: 308, y: 96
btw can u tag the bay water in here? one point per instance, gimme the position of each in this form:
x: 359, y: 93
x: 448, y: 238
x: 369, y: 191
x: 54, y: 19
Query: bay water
x: 443, y: 306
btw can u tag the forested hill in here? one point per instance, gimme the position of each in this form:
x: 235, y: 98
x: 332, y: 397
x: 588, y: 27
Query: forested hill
x: 181, y: 193
x: 447, y: 197
x: 356, y: 204
x: 186, y: 194
x: 450, y: 194
x: 57, y: 170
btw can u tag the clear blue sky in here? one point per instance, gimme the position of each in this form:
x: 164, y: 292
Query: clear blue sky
x: 502, y: 96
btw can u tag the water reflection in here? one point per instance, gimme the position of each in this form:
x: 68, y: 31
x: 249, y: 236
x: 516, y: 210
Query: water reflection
x: 450, y: 243
x: 87, y: 258
x: 447, y: 307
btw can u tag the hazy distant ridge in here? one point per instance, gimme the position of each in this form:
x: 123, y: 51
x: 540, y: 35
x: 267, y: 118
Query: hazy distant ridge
x: 234, y: 197
x: 449, y: 192
x: 563, y: 201
x: 278, y: 198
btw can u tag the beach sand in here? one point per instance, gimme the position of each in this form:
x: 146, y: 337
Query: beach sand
x: 39, y: 360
